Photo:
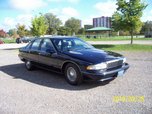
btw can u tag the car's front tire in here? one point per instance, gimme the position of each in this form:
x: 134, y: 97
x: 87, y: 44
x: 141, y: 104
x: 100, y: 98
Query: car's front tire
x: 28, y: 65
x: 73, y: 74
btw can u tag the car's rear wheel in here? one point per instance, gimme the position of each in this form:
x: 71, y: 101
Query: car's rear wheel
x: 73, y: 74
x: 29, y: 65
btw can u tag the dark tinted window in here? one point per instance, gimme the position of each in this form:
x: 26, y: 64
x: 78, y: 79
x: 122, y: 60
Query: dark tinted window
x: 46, y: 45
x: 35, y: 45
x: 28, y: 46
x: 69, y: 44
x: 57, y: 43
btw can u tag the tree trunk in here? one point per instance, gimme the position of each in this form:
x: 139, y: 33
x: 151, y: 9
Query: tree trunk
x: 131, y: 32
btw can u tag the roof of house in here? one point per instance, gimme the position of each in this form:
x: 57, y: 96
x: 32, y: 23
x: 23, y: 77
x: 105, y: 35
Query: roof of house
x: 99, y: 29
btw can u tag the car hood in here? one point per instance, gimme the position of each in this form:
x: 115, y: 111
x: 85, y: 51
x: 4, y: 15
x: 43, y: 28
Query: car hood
x: 93, y: 56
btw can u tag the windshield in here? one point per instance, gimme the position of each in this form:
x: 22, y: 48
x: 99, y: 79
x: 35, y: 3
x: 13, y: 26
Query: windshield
x: 71, y: 44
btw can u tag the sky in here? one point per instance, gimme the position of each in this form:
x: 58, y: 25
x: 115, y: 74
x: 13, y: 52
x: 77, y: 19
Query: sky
x: 13, y: 12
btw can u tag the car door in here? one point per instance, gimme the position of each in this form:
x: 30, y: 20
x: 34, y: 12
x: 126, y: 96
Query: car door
x: 34, y: 50
x: 47, y: 53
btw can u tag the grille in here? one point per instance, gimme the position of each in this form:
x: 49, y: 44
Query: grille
x: 112, y: 65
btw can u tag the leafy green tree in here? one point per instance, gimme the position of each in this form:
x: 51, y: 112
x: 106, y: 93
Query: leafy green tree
x: 147, y: 29
x: 73, y: 24
x: 147, y: 26
x: 127, y: 17
x: 21, y: 30
x: 39, y: 26
x: 28, y: 32
x: 81, y: 31
x: 64, y: 31
x: 11, y: 32
x: 54, y: 23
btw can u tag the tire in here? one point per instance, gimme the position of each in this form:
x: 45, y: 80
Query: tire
x: 29, y: 65
x: 18, y: 40
x: 73, y: 75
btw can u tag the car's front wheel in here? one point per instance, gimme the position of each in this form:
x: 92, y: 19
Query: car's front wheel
x: 28, y: 65
x: 73, y: 74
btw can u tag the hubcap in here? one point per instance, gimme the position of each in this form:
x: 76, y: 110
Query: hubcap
x: 71, y: 74
x: 28, y: 64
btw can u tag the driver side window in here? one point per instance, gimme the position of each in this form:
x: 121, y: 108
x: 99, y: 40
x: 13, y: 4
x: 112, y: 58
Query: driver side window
x: 46, y: 46
x: 35, y: 45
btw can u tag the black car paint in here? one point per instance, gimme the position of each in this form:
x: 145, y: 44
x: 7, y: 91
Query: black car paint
x: 93, y: 56
x: 57, y: 60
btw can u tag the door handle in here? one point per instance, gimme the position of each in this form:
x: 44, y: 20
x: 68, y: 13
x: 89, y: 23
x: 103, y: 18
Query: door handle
x: 45, y: 54
x: 40, y: 53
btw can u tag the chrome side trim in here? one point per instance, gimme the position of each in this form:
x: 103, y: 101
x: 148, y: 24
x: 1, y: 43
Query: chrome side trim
x: 107, y: 79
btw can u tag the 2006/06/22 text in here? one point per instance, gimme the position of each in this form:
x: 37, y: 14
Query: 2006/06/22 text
x: 128, y: 99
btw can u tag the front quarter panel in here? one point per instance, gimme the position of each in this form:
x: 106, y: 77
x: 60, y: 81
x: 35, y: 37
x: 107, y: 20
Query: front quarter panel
x: 68, y: 59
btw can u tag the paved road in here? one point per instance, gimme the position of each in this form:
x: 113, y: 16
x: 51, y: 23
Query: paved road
x: 148, y: 42
x: 12, y: 46
x: 43, y: 92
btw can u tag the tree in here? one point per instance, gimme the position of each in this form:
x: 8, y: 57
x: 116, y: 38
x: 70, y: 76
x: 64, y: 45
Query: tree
x: 28, y: 33
x: 147, y: 26
x: 127, y: 17
x: 21, y: 30
x: 81, y: 31
x: 53, y: 23
x: 39, y: 26
x: 13, y: 33
x: 147, y: 29
x: 73, y: 24
x: 64, y: 31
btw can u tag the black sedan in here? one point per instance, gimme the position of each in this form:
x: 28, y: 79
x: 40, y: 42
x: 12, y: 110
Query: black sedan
x: 73, y: 57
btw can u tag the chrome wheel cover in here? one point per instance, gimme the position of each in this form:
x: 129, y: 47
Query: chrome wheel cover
x: 28, y: 64
x: 71, y: 74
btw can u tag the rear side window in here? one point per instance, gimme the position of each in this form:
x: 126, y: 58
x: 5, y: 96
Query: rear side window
x: 36, y: 44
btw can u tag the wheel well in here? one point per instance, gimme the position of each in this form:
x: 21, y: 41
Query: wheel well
x: 23, y: 60
x: 64, y: 65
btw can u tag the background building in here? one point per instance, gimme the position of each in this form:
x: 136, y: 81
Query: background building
x: 88, y: 27
x: 98, y: 32
x: 102, y: 22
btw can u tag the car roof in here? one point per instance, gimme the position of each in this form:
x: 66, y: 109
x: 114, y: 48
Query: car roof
x: 54, y: 37
x: 60, y: 37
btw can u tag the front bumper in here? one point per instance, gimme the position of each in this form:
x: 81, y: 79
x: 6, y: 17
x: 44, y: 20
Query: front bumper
x: 105, y: 75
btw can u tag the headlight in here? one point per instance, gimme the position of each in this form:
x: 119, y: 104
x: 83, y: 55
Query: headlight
x: 100, y: 66
x: 124, y: 60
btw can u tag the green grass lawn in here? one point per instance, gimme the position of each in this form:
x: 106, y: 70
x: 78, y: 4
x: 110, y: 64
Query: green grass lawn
x: 125, y: 47
x: 7, y: 40
x: 113, y: 39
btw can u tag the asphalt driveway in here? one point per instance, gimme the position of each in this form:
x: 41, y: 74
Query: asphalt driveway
x: 44, y: 92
